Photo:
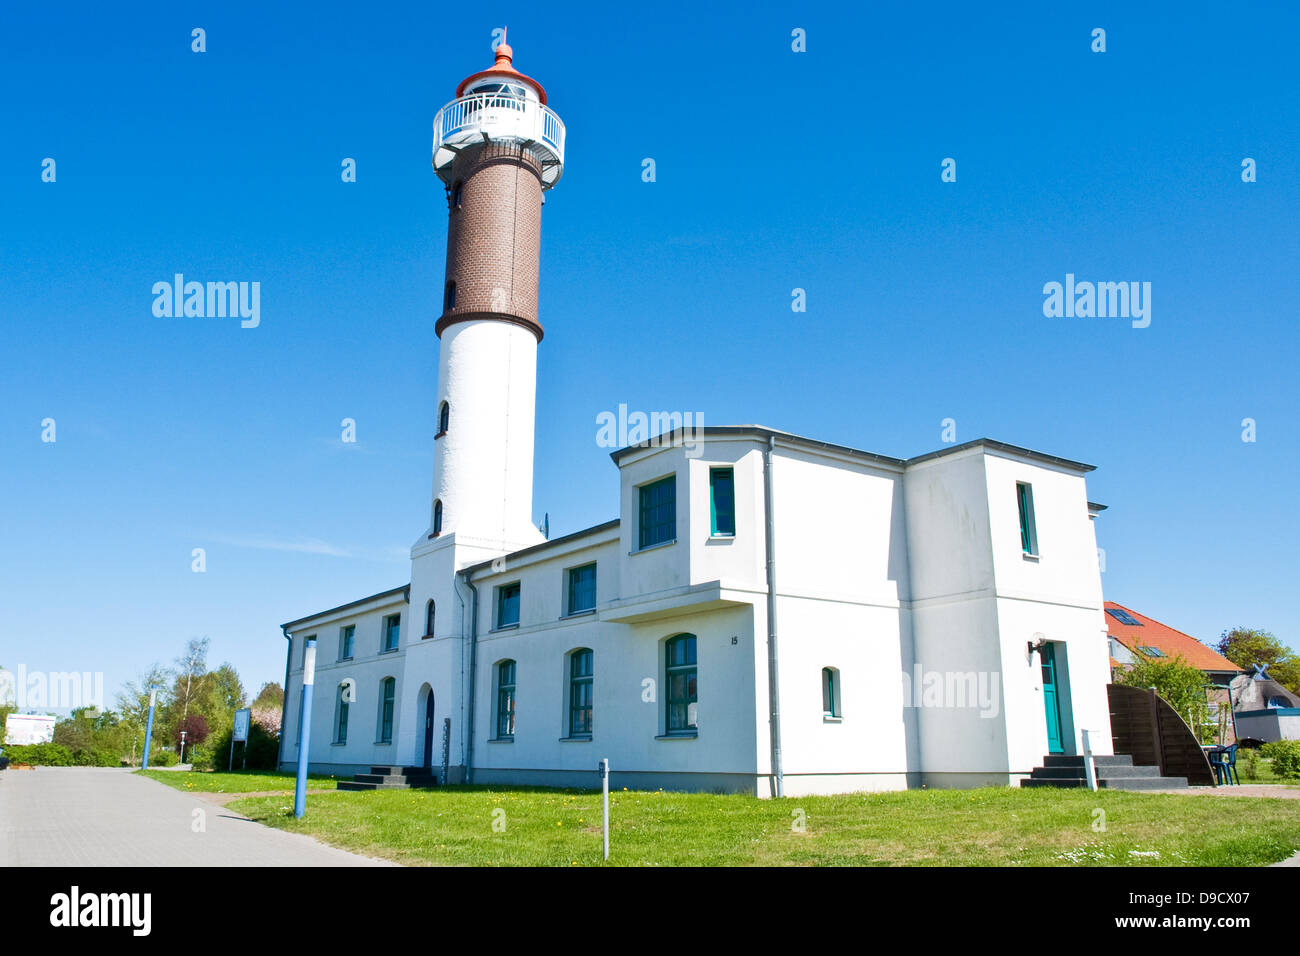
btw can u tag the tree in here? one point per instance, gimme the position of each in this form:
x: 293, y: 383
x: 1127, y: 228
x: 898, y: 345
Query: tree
x: 1179, y: 683
x: 190, y: 666
x: 195, y: 729
x: 1248, y: 646
x: 133, y: 698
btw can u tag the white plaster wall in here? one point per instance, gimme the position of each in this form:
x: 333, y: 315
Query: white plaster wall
x: 483, y: 466
x: 368, y: 667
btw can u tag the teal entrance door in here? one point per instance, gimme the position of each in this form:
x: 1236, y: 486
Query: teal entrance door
x: 1051, y: 699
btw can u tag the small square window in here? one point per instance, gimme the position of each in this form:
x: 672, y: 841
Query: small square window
x: 392, y: 629
x: 582, y: 589
x: 508, y: 605
x: 658, y: 512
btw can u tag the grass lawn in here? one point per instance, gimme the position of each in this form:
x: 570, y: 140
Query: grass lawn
x: 238, y: 782
x: 987, y: 827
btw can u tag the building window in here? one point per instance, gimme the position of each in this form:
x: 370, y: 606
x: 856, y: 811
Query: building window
x: 582, y: 589
x: 658, y: 512
x: 449, y: 297
x: 347, y: 641
x: 508, y: 605
x: 580, y: 677
x: 428, y: 618
x: 506, y: 699
x: 437, y: 517
x: 455, y: 195
x: 392, y: 626
x: 387, y: 695
x: 444, y: 419
x: 722, y: 501
x: 1025, y: 502
x: 1124, y: 617
x: 341, y: 716
x: 679, y: 657
x: 831, y: 692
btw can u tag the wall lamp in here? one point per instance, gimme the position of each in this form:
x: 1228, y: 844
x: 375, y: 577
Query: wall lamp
x: 1037, y: 645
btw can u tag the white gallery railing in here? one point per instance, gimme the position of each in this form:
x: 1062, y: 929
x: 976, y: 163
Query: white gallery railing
x: 498, y: 115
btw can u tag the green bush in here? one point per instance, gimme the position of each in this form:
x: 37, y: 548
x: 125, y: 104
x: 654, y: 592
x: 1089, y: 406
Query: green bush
x: 92, y: 757
x: 40, y: 755
x: 263, y: 750
x: 1285, y: 755
x: 163, y: 758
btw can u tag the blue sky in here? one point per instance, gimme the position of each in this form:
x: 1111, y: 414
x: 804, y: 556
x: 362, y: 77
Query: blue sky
x: 775, y: 170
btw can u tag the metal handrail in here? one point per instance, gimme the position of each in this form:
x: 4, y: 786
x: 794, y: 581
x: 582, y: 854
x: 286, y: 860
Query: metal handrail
x: 465, y: 113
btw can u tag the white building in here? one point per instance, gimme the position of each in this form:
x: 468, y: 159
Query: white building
x: 768, y: 613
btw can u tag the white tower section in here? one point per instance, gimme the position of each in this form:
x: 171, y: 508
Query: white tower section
x: 497, y: 147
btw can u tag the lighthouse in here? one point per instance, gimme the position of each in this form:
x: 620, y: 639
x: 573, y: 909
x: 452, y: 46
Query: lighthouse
x: 497, y: 148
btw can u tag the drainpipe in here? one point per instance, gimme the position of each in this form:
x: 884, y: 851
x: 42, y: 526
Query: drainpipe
x: 473, y: 662
x: 773, y: 684
x: 284, y: 703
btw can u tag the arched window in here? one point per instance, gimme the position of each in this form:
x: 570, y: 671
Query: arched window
x: 444, y: 418
x: 455, y: 195
x: 681, y: 673
x: 580, y: 696
x: 437, y: 517
x: 830, y: 692
x: 505, y: 700
x: 449, y: 297
x: 387, y: 697
x: 341, y: 715
x: 428, y: 619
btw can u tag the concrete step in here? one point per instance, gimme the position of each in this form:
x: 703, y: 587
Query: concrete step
x: 1076, y: 760
x: 1111, y: 783
x: 1062, y: 773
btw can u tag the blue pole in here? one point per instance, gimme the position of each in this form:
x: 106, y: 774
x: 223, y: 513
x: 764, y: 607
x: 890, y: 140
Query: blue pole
x: 148, y: 728
x: 304, y: 736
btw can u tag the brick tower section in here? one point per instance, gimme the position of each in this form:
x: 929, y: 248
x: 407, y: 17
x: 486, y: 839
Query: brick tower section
x: 494, y: 237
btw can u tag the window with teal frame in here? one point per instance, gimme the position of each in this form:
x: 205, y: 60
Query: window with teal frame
x: 508, y: 605
x: 506, y: 699
x: 341, y: 716
x: 1025, y: 503
x: 830, y: 692
x: 392, y: 626
x: 347, y: 641
x: 683, y: 684
x: 722, y: 502
x: 658, y: 512
x: 580, y: 697
x: 387, y: 696
x: 582, y: 589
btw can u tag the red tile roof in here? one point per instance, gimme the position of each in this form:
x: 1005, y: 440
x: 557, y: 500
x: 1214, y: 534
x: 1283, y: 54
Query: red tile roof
x: 1173, y: 643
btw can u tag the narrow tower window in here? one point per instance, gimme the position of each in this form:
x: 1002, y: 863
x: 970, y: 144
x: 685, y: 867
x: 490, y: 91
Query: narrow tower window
x: 455, y: 196
x: 449, y: 297
x: 428, y: 619
x: 444, y: 419
x: 437, y: 517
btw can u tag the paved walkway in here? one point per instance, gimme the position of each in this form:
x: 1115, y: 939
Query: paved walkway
x: 90, y: 816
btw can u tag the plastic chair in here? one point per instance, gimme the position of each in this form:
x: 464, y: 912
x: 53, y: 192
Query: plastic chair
x: 1224, y: 762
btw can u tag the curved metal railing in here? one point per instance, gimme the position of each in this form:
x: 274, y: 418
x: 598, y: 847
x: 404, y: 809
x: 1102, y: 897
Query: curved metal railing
x: 499, y: 114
